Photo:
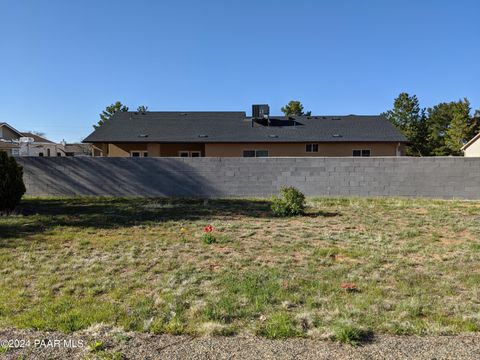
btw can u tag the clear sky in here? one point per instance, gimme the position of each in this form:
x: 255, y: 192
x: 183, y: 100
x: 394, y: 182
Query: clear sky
x: 62, y: 62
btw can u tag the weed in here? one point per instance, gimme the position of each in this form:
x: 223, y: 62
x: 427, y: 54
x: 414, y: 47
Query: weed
x: 209, y: 239
x: 351, y: 335
x: 278, y: 326
x: 97, y: 346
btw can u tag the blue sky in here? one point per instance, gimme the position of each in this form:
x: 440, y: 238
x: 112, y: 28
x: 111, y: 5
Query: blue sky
x: 63, y: 61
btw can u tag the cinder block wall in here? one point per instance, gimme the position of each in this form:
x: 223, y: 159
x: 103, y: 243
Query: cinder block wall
x: 440, y: 177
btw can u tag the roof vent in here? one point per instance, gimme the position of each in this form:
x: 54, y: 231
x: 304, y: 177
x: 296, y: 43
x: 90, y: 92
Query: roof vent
x: 273, y: 136
x: 337, y: 135
x: 202, y: 136
x: 143, y: 135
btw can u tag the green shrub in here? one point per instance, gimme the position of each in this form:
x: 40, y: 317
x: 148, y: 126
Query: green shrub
x: 291, y: 202
x: 12, y: 187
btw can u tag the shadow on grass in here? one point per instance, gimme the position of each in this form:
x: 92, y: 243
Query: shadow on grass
x: 320, y: 213
x: 40, y: 214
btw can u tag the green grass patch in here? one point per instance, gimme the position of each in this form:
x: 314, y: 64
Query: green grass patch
x: 351, y: 335
x: 140, y: 264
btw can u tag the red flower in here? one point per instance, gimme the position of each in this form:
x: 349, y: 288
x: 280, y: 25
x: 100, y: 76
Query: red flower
x: 208, y: 229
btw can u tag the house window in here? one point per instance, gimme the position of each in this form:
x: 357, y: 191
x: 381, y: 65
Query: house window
x: 59, y: 154
x: 40, y: 154
x: 361, y: 153
x: 190, y: 153
x: 139, y: 154
x: 255, y: 153
x: 312, y: 148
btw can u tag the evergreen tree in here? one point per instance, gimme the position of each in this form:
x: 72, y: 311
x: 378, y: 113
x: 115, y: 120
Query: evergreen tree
x: 409, y: 118
x: 450, y: 126
x: 295, y: 108
x: 109, y: 112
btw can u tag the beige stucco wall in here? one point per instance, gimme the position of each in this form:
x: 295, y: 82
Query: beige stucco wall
x: 170, y: 150
x: 324, y: 149
x: 123, y: 150
x: 236, y: 149
x: 474, y: 149
x: 173, y: 149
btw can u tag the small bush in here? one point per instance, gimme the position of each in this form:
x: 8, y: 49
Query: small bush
x: 291, y: 202
x: 351, y: 335
x: 12, y: 187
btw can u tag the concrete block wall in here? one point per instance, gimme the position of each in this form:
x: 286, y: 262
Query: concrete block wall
x: 433, y: 177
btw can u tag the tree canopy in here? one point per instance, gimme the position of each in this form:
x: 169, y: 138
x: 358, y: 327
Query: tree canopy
x: 109, y: 112
x: 450, y: 127
x: 294, y: 108
x: 441, y: 130
x: 407, y: 116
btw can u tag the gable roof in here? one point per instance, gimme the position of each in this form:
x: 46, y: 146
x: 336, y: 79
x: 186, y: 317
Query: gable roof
x: 475, y: 138
x: 37, y: 138
x: 234, y: 127
x: 11, y: 128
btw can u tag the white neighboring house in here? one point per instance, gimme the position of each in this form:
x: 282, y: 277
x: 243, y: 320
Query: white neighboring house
x: 36, y: 145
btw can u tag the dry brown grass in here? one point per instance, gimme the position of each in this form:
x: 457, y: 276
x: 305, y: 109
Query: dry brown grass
x: 71, y: 263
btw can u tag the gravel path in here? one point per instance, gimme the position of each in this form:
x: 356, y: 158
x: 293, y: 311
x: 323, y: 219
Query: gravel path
x: 119, y: 345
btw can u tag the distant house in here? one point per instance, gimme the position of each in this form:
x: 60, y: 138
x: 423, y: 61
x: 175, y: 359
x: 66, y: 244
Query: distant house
x: 9, y: 137
x: 35, y: 145
x: 233, y: 134
x: 16, y: 143
x: 472, y: 148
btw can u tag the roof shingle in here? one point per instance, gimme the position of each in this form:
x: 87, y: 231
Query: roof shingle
x: 233, y: 127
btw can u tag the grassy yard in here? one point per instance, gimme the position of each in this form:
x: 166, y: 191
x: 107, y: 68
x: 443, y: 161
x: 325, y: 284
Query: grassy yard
x: 140, y: 264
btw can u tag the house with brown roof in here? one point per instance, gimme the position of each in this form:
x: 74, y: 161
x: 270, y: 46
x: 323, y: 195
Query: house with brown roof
x: 233, y: 134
